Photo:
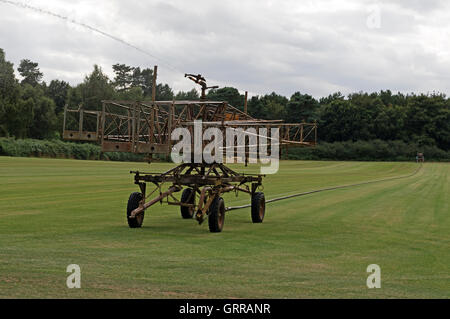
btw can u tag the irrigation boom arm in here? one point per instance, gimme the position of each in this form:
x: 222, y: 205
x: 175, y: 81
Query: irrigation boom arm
x: 146, y: 127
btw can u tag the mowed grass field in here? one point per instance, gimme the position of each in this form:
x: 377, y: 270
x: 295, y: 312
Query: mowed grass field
x: 59, y: 212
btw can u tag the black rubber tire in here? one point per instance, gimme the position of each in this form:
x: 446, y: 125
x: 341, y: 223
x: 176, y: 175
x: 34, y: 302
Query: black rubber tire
x: 187, y: 197
x: 216, y: 215
x: 133, y: 203
x: 258, y: 207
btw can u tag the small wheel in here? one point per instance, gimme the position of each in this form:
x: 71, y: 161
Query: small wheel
x: 133, y: 203
x: 258, y: 207
x: 216, y: 215
x: 187, y: 197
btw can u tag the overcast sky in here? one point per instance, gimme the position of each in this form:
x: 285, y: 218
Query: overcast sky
x: 316, y: 47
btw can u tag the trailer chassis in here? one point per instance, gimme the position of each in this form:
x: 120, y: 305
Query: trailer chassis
x: 204, y: 184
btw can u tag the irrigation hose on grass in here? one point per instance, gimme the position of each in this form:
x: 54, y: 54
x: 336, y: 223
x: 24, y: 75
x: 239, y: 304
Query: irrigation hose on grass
x: 328, y: 189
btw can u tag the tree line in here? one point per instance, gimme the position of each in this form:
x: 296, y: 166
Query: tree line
x: 31, y: 108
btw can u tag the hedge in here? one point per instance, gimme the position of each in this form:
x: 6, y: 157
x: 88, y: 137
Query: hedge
x: 376, y: 150
x: 60, y: 149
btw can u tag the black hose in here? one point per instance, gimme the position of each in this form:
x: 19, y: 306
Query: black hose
x: 327, y: 189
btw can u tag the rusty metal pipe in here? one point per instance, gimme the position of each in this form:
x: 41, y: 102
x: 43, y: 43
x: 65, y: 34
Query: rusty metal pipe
x: 227, y: 189
x: 202, y: 198
x: 142, y: 208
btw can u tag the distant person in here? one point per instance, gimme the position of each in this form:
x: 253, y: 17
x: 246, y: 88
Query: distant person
x: 420, y: 158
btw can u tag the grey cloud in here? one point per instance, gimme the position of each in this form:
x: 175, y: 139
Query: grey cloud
x: 419, y: 6
x: 285, y: 47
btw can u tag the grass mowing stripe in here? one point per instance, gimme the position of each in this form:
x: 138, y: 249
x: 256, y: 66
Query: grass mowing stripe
x: 326, y: 189
x: 313, y: 246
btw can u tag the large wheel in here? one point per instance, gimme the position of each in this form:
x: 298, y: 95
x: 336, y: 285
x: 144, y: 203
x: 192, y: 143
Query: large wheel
x: 133, y: 203
x: 258, y: 207
x: 216, y: 215
x: 187, y: 197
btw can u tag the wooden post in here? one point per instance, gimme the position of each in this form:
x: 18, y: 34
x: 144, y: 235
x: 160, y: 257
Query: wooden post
x: 301, y: 132
x: 103, y: 121
x: 245, y: 102
x: 315, y: 132
x: 155, y: 75
x: 98, y: 124
x: 133, y: 129
x: 151, y: 131
x: 153, y: 112
x: 169, y: 129
x: 138, y: 127
x: 80, y: 123
x: 64, y: 122
x: 129, y: 124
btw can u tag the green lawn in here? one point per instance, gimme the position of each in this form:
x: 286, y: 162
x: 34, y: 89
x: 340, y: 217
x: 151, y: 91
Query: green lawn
x: 59, y: 212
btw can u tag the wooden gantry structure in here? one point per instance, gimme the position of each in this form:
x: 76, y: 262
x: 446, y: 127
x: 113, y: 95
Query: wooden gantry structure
x: 145, y: 127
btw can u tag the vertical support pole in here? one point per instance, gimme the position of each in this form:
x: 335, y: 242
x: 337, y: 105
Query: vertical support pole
x: 152, y: 126
x: 129, y: 124
x: 101, y: 130
x: 138, y: 126
x: 169, y: 129
x: 315, y: 132
x: 157, y: 124
x: 64, y: 121
x: 225, y: 106
x: 98, y: 125
x: 154, y: 114
x: 103, y: 121
x: 301, y: 132
x: 247, y: 149
x: 155, y: 75
x: 245, y: 102
x: 80, y: 123
x: 133, y: 128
